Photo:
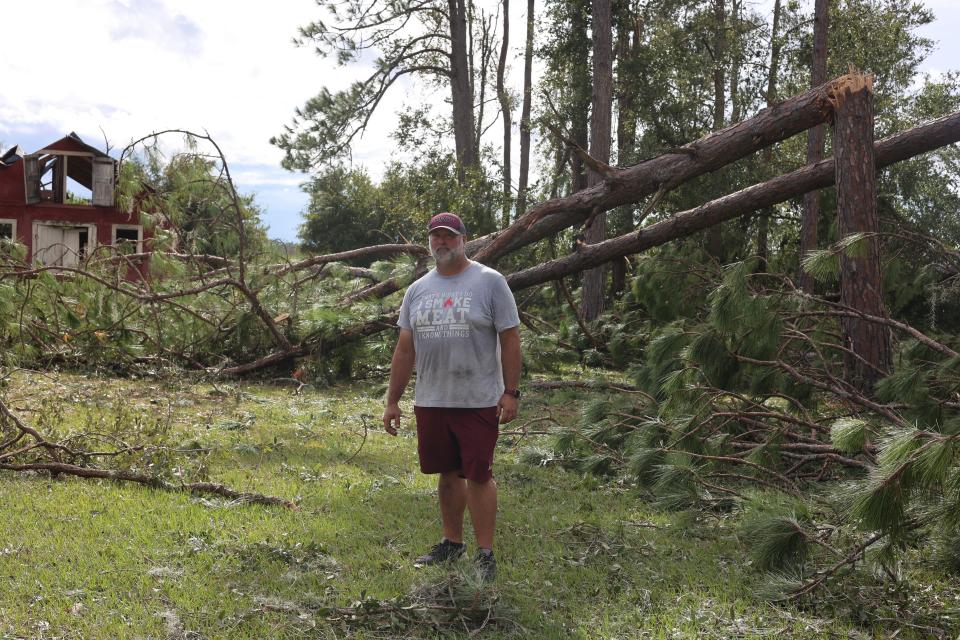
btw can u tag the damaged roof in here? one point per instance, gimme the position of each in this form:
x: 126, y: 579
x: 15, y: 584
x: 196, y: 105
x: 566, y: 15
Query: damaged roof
x: 72, y: 142
x: 11, y: 155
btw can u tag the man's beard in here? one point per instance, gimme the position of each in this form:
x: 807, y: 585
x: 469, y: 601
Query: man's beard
x: 445, y: 255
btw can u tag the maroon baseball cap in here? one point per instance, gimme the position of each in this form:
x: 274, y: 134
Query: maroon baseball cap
x: 449, y: 221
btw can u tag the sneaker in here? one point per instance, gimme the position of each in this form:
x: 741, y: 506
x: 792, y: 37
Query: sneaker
x: 486, y: 564
x: 443, y: 551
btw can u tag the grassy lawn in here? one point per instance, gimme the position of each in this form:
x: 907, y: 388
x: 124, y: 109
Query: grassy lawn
x: 578, y: 558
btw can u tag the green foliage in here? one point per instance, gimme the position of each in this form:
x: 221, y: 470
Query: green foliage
x: 824, y: 264
x: 774, y: 527
x: 710, y: 353
x: 947, y: 548
x: 849, y: 435
x: 675, y: 484
x: 190, y: 194
x: 346, y: 211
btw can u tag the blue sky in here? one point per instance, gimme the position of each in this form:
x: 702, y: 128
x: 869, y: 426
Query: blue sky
x: 126, y: 68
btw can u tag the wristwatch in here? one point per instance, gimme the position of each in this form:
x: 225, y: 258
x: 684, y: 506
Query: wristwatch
x: 513, y: 392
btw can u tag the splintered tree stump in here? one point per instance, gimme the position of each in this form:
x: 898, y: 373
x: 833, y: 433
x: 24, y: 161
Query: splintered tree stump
x: 861, y: 282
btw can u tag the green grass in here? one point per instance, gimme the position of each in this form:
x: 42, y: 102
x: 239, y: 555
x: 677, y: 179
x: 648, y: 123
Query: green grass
x: 578, y: 557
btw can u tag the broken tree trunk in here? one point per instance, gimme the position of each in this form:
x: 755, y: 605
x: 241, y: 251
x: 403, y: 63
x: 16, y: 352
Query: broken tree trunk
x: 896, y: 148
x: 861, y: 282
x: 665, y: 172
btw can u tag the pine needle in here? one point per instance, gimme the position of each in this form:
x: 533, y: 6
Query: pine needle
x: 774, y: 526
x: 849, y: 435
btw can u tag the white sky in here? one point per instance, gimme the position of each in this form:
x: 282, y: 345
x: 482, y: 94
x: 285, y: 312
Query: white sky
x: 228, y: 67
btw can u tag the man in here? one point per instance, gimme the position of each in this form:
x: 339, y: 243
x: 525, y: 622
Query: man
x: 459, y: 325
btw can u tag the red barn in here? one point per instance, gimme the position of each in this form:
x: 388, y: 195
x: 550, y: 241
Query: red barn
x: 60, y: 202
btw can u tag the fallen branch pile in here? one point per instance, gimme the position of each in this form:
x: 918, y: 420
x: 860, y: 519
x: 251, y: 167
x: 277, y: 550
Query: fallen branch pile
x: 24, y: 449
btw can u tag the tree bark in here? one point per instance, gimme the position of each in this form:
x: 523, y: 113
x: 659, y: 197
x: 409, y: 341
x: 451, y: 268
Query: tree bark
x: 461, y: 93
x: 714, y: 239
x: 600, y: 129
x: 861, y: 281
x: 525, y: 114
x: 736, y: 59
x: 505, y: 111
x: 579, y: 86
x: 763, y: 224
x: 896, y: 148
x: 665, y: 172
x: 622, y: 219
x: 815, y: 139
x: 719, y: 60
x: 486, y: 50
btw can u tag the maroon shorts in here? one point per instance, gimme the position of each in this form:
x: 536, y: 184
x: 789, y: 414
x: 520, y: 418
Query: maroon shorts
x: 454, y: 439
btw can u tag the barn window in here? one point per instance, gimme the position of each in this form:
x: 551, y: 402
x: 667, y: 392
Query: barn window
x: 128, y: 238
x: 8, y: 229
x: 69, y: 178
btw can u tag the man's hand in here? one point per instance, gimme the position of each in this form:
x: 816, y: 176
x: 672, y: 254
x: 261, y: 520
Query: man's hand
x: 507, y: 408
x: 391, y: 418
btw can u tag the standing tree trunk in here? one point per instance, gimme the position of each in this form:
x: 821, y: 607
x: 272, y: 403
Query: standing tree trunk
x: 460, y: 90
x: 580, y: 93
x: 600, y: 129
x: 525, y: 114
x: 622, y: 218
x: 486, y: 52
x: 505, y: 110
x: 736, y: 59
x: 763, y: 224
x: 815, y: 139
x: 715, y: 234
x: 861, y: 282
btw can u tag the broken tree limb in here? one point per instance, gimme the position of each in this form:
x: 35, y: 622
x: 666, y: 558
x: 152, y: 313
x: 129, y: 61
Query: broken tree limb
x: 631, y: 184
x: 363, y: 252
x: 54, y: 466
x: 385, y: 288
x: 150, y: 481
x: 313, y: 345
x: 896, y: 148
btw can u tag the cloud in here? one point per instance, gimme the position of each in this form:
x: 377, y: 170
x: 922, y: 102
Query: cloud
x: 150, y: 20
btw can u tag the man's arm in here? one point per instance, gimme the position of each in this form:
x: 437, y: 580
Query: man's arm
x: 510, y: 361
x: 401, y: 367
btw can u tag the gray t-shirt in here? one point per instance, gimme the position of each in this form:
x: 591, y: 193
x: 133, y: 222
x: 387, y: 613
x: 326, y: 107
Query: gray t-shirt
x: 455, y: 322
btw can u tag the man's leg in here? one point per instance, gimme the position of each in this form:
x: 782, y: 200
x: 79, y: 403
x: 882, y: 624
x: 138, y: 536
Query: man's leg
x: 452, y: 491
x: 482, y: 501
